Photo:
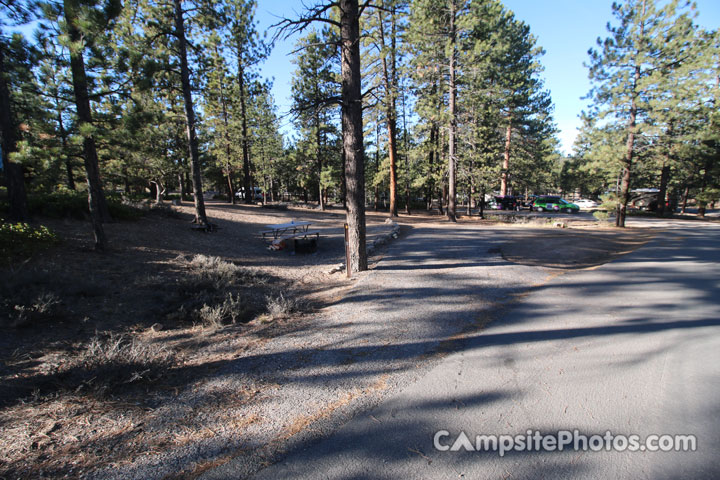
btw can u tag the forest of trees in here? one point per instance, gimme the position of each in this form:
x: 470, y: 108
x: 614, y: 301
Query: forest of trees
x: 397, y: 104
x: 653, y: 119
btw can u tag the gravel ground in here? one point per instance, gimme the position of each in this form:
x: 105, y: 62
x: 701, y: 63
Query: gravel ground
x: 435, y: 283
x: 248, y: 394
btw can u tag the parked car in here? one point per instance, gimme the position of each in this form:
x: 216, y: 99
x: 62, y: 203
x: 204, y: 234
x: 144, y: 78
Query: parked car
x: 528, y: 202
x: 554, y: 204
x: 585, y: 203
x: 646, y: 201
x: 506, y: 202
x: 257, y: 196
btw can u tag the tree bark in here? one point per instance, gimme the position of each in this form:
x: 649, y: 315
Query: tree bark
x: 482, y: 203
x: 625, y: 180
x: 343, y: 182
x: 376, y: 191
x: 247, y: 179
x: 504, y: 176
x: 702, y: 204
x: 390, y: 79
x: 352, y: 132
x: 63, y: 143
x: 662, y: 194
x: 452, y: 94
x: 318, y: 145
x: 627, y: 165
x: 181, y: 186
x: 228, y: 167
x: 14, y: 175
x: 200, y: 215
x: 431, y: 157
x: 159, y: 191
x: 96, y: 199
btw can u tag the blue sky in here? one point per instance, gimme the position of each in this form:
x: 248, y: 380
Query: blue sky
x: 566, y: 29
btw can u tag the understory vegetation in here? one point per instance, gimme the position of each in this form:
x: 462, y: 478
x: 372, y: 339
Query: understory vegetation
x: 203, y: 294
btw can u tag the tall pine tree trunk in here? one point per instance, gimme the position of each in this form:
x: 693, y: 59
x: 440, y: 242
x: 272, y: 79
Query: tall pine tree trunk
x: 452, y: 94
x: 96, y: 199
x: 63, y: 143
x: 14, y: 175
x: 662, y: 194
x: 318, y: 146
x: 343, y: 182
x: 407, y: 161
x: 376, y: 192
x: 431, y: 156
x: 504, y: 176
x: 193, y: 150
x: 664, y: 175
x: 390, y: 80
x: 247, y: 179
x: 181, y: 186
x: 228, y: 167
x: 701, y: 202
x: 352, y: 132
x: 632, y: 122
x: 627, y: 163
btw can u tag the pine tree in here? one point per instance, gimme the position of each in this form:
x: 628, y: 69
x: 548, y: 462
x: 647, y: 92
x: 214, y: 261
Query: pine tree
x: 630, y: 67
x: 218, y: 99
x: 16, y: 13
x: 80, y: 33
x: 348, y: 27
x: 385, y: 35
x: 315, y: 95
x: 248, y: 50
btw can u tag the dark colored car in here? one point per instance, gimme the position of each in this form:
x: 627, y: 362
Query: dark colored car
x: 645, y: 202
x: 554, y: 204
x: 507, y: 202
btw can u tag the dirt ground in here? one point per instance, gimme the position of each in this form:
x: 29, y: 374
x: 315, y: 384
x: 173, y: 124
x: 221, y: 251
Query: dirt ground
x: 102, y: 345
x: 575, y: 248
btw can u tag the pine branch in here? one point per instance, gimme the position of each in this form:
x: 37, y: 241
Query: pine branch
x: 286, y: 27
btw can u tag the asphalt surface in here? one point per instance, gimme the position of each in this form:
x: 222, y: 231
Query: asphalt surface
x: 630, y: 347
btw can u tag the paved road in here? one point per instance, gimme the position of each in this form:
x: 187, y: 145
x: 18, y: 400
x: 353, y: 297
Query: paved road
x: 632, y: 347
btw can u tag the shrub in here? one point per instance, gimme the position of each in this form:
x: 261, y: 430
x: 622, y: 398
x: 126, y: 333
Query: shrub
x: 23, y: 240
x: 110, y: 361
x: 72, y: 204
x: 281, y: 306
x: 216, y: 272
x: 42, y: 306
x: 214, y: 293
x: 607, y: 208
x: 230, y: 311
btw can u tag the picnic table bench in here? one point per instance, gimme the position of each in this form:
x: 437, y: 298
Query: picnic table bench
x: 290, y: 231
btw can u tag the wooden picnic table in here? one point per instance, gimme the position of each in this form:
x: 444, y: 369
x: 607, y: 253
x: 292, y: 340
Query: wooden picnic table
x: 286, y: 230
x: 291, y: 231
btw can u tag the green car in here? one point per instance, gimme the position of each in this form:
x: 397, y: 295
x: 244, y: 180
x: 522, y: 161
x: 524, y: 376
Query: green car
x: 554, y: 204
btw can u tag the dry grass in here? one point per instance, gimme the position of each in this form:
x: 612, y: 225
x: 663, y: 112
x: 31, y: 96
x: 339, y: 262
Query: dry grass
x: 213, y: 293
x: 281, y: 305
x: 109, y: 362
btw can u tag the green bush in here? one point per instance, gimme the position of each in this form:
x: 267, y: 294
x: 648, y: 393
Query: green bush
x: 59, y: 204
x: 607, y: 208
x: 22, y: 240
x: 70, y: 204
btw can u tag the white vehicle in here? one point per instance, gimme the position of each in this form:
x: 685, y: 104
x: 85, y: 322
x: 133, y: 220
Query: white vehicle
x: 586, y: 203
x: 257, y: 196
